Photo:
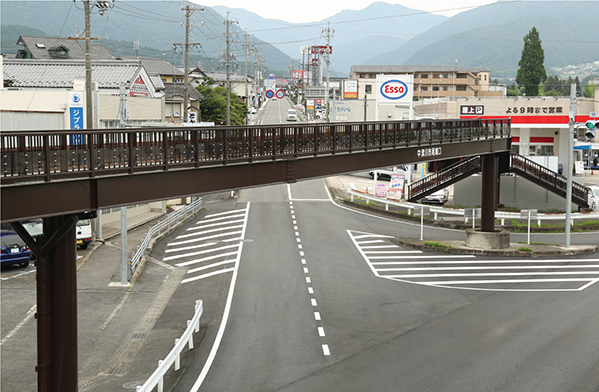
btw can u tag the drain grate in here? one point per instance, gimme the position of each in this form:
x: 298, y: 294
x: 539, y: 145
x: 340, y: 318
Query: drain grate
x: 133, y: 385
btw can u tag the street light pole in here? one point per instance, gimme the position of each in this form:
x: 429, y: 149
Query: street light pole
x: 569, y: 167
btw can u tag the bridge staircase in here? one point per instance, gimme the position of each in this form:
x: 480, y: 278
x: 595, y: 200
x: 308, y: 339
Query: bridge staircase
x: 518, y: 164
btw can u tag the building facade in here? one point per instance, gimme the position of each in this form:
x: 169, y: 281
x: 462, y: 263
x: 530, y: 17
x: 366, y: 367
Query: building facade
x: 430, y: 81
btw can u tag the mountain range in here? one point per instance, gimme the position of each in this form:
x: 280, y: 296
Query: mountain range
x: 381, y: 34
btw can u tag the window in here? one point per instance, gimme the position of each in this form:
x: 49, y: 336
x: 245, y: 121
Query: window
x: 361, y: 76
x: 435, y: 88
x: 368, y: 88
x: 547, y: 150
x: 371, y: 76
x: 436, y: 76
x: 424, y: 88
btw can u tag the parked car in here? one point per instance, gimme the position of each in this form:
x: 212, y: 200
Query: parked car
x: 84, y: 233
x: 386, y: 172
x: 594, y: 197
x: 14, y: 251
x: 441, y: 196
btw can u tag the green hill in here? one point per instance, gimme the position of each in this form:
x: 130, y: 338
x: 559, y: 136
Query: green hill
x: 156, y: 25
x: 491, y: 37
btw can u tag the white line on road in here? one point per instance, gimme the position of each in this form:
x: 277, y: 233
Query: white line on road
x: 29, y: 316
x: 221, y: 330
x: 205, y: 267
x: 202, y: 252
x: 215, y: 225
x: 223, y: 271
x: 325, y: 349
x: 197, y: 261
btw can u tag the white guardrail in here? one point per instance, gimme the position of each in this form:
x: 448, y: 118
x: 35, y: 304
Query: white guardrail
x: 172, y: 218
x: 435, y: 211
x: 157, y: 378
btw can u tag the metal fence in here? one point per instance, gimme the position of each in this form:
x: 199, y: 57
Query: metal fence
x: 171, y: 219
x: 174, y: 356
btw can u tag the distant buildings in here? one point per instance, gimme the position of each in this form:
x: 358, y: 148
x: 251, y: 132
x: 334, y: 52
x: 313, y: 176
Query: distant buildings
x: 430, y: 81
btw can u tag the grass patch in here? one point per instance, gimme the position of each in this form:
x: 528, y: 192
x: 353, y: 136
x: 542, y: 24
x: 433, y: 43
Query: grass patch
x: 436, y: 244
x: 587, y: 223
x: 525, y: 249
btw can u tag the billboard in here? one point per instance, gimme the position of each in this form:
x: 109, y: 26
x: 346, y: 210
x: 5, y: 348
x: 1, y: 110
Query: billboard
x: 299, y: 74
x: 394, y: 89
x: 350, y: 89
x: 321, y: 49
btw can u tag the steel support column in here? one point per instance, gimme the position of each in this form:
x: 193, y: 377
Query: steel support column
x: 57, y: 295
x: 490, y: 170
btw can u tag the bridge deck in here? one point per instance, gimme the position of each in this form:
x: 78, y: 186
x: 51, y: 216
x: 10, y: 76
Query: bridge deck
x: 72, y: 169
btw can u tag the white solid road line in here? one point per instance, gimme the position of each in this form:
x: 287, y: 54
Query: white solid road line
x: 221, y: 330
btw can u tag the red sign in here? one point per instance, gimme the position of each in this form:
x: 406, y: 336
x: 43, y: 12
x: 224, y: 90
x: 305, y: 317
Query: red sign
x: 298, y: 74
x: 316, y: 49
x: 269, y: 94
x: 315, y: 62
x: 280, y: 94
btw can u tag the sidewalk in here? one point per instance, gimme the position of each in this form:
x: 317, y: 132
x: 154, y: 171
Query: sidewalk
x: 115, y: 321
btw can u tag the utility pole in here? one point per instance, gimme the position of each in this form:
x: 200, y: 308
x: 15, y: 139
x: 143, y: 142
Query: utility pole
x: 188, y: 12
x: 89, y: 112
x: 103, y: 6
x: 228, y: 57
x: 329, y: 32
x: 248, y: 48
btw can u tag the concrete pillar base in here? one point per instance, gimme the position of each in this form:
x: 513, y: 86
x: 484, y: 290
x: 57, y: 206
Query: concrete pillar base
x: 487, y: 240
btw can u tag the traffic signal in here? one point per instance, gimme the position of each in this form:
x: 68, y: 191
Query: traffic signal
x: 591, y: 131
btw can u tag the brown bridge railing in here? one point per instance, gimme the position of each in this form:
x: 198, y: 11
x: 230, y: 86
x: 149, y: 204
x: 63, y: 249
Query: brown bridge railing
x: 549, y: 179
x: 441, y: 179
x: 28, y: 156
x: 520, y: 165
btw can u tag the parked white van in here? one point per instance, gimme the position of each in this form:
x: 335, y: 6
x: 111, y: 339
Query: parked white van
x: 84, y: 233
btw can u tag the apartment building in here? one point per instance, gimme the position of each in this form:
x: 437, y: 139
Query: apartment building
x: 430, y: 81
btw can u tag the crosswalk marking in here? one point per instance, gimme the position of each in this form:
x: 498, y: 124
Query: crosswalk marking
x: 390, y: 261
x: 210, y: 246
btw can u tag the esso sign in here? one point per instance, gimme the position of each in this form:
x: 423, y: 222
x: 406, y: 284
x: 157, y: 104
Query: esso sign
x: 394, y: 89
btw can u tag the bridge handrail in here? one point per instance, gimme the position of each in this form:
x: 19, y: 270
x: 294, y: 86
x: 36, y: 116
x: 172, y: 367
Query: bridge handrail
x: 155, y: 230
x: 65, y: 154
x: 174, y: 356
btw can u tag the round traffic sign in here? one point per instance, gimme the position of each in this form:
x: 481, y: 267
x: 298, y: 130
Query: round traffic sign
x: 280, y: 94
x: 269, y: 94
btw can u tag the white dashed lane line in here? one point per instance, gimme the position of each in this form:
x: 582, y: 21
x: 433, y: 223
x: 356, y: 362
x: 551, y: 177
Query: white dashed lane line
x: 317, y: 317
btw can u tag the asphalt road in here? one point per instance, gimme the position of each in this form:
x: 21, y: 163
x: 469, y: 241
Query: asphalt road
x: 323, y: 300
x: 312, y: 310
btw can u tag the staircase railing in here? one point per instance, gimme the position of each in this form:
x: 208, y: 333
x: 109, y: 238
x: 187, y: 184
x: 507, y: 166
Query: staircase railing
x: 548, y: 179
x: 444, y: 178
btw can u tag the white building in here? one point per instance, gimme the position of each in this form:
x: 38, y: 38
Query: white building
x: 37, y: 94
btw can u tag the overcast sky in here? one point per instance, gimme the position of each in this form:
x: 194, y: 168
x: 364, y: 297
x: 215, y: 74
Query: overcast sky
x: 304, y: 11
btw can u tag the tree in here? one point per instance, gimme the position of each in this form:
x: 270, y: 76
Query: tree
x: 512, y: 91
x: 214, y: 104
x: 589, y: 90
x: 578, y: 87
x: 531, y: 71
